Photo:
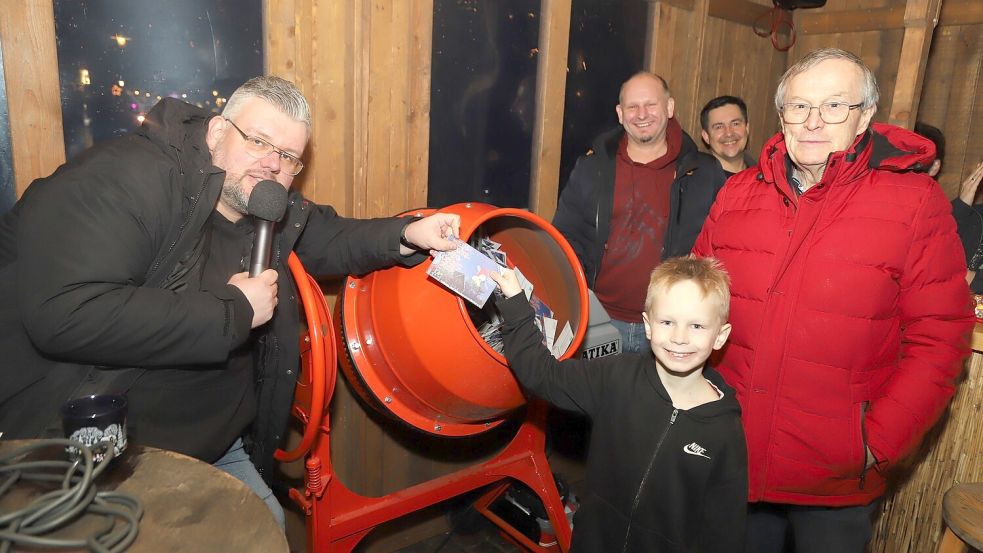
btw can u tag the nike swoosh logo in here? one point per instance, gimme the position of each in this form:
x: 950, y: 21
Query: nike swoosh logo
x: 695, y: 449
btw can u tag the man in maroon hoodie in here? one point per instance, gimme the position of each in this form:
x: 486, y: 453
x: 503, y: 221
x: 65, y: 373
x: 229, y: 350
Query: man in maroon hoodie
x: 638, y: 197
x: 849, y: 304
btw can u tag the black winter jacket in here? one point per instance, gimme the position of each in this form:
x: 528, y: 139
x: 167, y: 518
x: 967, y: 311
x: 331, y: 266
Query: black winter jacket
x: 100, y: 271
x: 659, y: 479
x: 583, y: 214
x: 969, y: 225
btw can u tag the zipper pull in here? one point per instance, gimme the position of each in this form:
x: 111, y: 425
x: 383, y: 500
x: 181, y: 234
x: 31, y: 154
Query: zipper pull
x: 672, y: 419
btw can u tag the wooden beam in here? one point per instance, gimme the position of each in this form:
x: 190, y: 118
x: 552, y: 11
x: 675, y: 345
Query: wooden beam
x: 849, y: 21
x: 30, y: 61
x: 551, y: 85
x: 738, y: 11
x: 954, y: 12
x: 921, y: 16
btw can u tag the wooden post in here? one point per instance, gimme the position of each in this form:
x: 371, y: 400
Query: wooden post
x: 921, y: 17
x: 551, y: 86
x: 30, y: 61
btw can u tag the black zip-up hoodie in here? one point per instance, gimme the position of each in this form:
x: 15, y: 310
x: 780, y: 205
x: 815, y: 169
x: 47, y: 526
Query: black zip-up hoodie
x: 659, y: 479
x: 583, y: 214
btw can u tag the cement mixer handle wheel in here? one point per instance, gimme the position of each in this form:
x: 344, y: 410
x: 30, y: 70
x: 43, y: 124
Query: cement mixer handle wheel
x: 319, y: 328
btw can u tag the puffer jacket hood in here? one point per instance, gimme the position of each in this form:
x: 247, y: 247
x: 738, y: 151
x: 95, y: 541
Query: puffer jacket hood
x: 179, y: 129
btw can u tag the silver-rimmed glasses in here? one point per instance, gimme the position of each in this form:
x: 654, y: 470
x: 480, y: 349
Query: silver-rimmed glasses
x: 831, y: 113
x: 259, y: 148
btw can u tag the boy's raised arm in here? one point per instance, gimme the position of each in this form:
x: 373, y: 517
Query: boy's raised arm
x: 573, y: 385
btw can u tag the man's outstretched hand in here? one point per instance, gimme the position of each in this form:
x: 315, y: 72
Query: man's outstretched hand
x: 433, y: 233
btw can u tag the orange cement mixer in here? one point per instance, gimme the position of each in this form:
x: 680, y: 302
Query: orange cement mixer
x: 411, y: 348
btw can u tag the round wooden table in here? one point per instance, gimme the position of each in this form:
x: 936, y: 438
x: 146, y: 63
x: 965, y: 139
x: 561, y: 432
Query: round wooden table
x: 962, y: 510
x: 189, y: 505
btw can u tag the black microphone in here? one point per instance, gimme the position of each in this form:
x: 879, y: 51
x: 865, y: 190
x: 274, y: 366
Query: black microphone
x: 267, y: 204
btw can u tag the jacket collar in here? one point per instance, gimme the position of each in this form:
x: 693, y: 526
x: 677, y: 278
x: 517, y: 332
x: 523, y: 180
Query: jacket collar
x: 608, y: 143
x: 882, y: 147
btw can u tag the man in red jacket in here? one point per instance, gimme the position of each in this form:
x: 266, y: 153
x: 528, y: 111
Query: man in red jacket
x: 850, y: 310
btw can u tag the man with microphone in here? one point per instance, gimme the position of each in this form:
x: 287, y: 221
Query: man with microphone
x: 126, y: 271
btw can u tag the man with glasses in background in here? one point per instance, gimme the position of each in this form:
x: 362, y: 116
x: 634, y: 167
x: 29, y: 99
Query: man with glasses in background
x: 850, y: 310
x: 125, y: 271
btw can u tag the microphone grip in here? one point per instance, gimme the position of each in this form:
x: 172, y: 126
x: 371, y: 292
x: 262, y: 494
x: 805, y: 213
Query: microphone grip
x: 262, y: 247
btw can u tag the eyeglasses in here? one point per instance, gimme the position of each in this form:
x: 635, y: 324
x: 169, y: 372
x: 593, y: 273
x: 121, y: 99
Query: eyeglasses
x: 831, y: 113
x: 259, y: 148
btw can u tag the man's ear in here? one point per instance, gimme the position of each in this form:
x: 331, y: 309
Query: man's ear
x: 706, y: 138
x: 217, y: 126
x: 865, y: 117
x: 934, y: 168
x: 722, y: 336
x: 671, y: 107
x: 617, y: 110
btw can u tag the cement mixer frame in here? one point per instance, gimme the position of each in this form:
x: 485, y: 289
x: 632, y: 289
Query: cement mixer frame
x: 337, y: 517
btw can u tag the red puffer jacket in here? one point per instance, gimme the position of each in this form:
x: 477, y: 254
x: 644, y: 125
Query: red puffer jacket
x: 851, y: 315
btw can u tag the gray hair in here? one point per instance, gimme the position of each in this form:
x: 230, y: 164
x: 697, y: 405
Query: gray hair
x: 869, y: 94
x: 281, y: 93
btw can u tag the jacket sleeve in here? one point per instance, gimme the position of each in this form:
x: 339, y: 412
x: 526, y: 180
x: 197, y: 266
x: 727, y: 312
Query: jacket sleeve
x: 574, y: 217
x: 726, y: 499
x: 574, y: 384
x: 85, y: 240
x: 936, y: 319
x: 336, y: 245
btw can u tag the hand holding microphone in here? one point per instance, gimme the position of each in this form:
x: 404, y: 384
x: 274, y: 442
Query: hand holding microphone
x: 267, y: 204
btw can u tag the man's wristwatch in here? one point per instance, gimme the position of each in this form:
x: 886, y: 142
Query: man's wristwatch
x: 402, y: 238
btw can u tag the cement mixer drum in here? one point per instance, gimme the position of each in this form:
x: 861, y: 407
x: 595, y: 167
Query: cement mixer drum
x: 411, y: 347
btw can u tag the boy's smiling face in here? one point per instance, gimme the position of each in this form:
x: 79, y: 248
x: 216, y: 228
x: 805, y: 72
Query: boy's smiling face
x: 684, y: 327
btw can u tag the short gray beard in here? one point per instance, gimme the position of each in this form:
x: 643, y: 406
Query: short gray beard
x: 233, y: 195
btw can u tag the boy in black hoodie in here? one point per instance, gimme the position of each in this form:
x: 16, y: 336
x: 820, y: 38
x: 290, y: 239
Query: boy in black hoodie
x: 667, y: 462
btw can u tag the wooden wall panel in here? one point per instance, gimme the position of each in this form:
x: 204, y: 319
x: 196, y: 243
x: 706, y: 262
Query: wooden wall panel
x: 704, y: 56
x: 952, y: 99
x: 365, y: 67
x: 673, y: 27
x: 726, y: 69
x: 30, y: 64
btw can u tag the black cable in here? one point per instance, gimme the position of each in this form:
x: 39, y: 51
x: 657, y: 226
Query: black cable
x: 75, y: 497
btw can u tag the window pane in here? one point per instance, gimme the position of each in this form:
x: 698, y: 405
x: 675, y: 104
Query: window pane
x: 607, y: 45
x: 7, y: 192
x: 117, y: 58
x: 482, y: 101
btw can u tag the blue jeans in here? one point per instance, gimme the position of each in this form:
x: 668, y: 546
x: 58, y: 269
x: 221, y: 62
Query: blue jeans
x: 236, y: 462
x: 633, y: 338
x: 814, y: 529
